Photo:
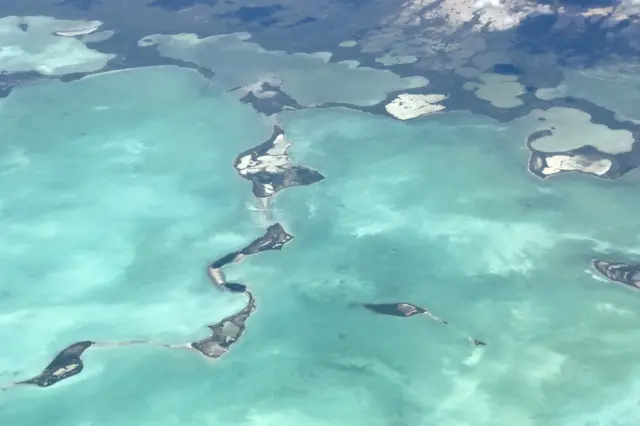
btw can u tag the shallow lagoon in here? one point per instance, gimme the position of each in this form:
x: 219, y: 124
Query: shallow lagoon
x: 112, y: 206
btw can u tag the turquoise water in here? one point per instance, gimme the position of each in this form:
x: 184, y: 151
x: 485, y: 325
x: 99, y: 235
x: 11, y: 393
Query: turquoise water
x: 117, y: 190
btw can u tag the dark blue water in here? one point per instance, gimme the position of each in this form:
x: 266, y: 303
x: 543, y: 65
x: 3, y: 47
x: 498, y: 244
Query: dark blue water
x: 588, y: 40
x: 176, y: 5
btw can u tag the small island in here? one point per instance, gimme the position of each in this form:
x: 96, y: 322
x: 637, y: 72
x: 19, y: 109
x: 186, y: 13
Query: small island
x: 405, y: 310
x: 628, y: 275
x: 269, y: 169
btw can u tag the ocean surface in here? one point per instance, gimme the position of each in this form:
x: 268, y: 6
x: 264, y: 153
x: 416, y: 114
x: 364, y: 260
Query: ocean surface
x: 117, y: 191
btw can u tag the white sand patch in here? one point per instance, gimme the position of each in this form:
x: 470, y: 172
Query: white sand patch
x: 89, y: 28
x: 274, y: 162
x: 123, y: 70
x: 377, y: 218
x: 625, y: 9
x: 565, y: 163
x: 350, y: 63
x: 257, y: 88
x: 294, y: 417
x: 247, y: 165
x: 325, y: 56
x: 407, y: 106
x: 280, y: 146
x: 493, y: 15
x: 501, y: 91
x: 611, y: 309
x: 380, y: 220
x: 388, y: 60
x: 474, y: 358
x: 468, y: 403
x: 485, y: 14
x: 548, y: 365
x: 571, y: 129
x: 597, y: 11
x: 550, y: 93
x: 308, y: 78
x: 499, y: 248
x: 265, y: 94
x: 348, y: 43
x: 39, y: 49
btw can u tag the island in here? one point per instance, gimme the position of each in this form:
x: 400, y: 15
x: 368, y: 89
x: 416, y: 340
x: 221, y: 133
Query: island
x: 628, y: 275
x: 269, y: 169
x: 405, y: 310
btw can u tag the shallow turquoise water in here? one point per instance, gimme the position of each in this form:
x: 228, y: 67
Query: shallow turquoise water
x: 112, y: 208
